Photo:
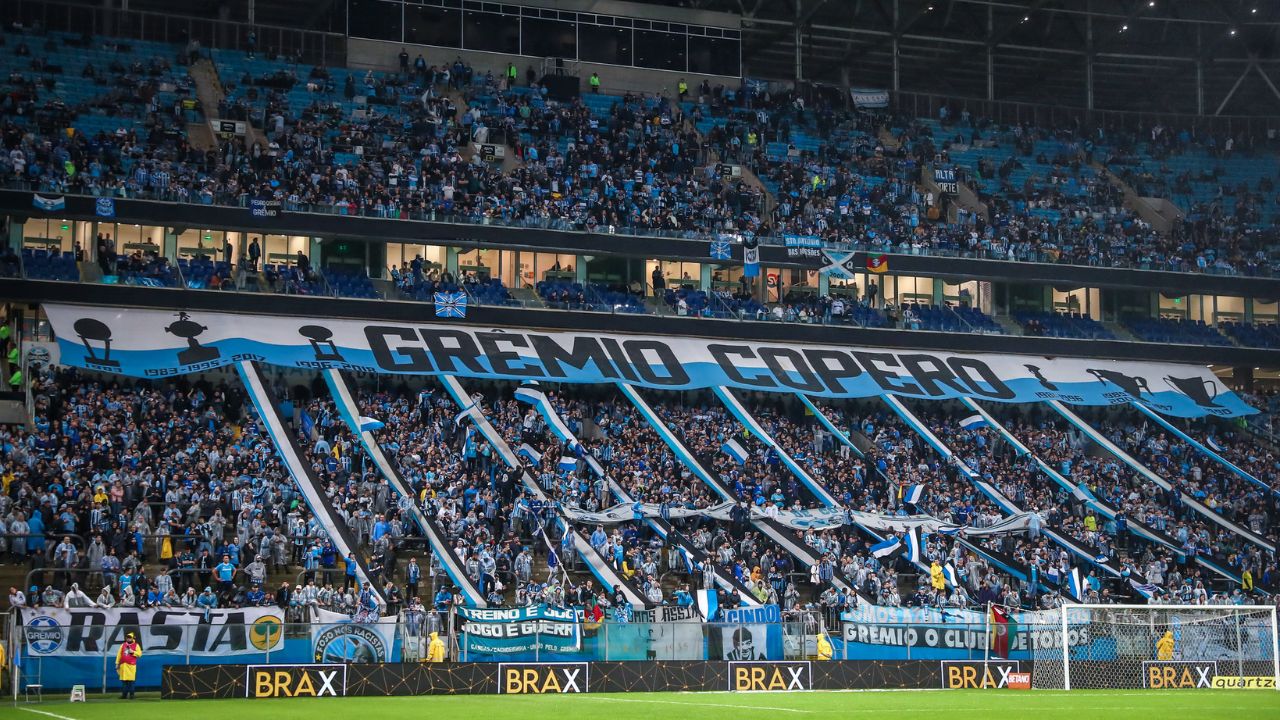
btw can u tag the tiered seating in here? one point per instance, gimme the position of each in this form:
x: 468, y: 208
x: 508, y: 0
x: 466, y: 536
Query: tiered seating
x: 1062, y: 325
x: 151, y: 271
x: 94, y: 84
x: 1167, y: 330
x: 949, y: 318
x: 345, y: 282
x: 203, y: 273
x: 489, y: 291
x: 40, y: 264
x: 1252, y: 335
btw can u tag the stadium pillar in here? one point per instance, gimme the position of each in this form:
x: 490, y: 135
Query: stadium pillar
x: 315, y: 253
x: 1242, y: 377
x: 15, y: 234
x: 451, y: 260
x: 169, y: 245
x: 704, y: 277
x: 580, y: 269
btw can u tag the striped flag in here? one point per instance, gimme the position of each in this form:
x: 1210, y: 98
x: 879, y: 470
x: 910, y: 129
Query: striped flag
x: 1146, y: 590
x: 568, y: 464
x: 915, y: 548
x: 368, y: 424
x: 527, y: 452
x: 887, y: 549
x: 973, y: 422
x: 913, y: 494
x: 1076, y: 584
x: 1213, y: 444
x: 530, y: 395
x: 950, y: 575
x: 734, y: 449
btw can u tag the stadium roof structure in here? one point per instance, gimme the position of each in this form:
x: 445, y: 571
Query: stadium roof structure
x: 1201, y: 57
x: 1186, y: 56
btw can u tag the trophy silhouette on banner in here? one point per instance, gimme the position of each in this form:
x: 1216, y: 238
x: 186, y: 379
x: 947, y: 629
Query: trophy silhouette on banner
x: 1135, y: 386
x: 1201, y: 391
x: 1044, y: 381
x: 186, y: 328
x: 319, y: 336
x: 97, y: 331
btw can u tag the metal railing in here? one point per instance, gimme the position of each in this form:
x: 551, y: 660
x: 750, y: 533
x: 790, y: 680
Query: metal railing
x: 1049, y: 256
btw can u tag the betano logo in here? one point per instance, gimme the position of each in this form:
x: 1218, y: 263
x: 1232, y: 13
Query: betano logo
x: 277, y: 681
x: 769, y: 676
x: 542, y: 678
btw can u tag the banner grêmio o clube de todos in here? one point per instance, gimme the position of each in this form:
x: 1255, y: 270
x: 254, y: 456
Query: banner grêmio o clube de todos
x: 157, y: 343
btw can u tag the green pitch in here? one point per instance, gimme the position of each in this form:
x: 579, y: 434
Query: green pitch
x: 984, y: 705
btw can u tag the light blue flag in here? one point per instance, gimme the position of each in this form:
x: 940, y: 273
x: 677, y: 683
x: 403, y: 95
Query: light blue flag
x: 734, y: 449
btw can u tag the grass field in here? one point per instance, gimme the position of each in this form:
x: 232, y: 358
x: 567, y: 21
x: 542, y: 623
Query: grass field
x: 991, y: 704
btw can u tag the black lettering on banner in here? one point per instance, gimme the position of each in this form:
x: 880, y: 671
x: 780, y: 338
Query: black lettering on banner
x: 501, y: 360
x: 885, y: 379
x: 463, y: 349
x: 928, y: 371
x: 967, y: 368
x: 277, y: 681
x: 84, y: 634
x: 619, y: 358
x: 773, y: 359
x: 845, y: 367
x: 542, y: 678
x: 162, y: 636
x: 722, y: 353
x: 770, y: 676
x: 977, y: 674
x: 584, y: 352
x: 638, y: 351
x: 416, y: 359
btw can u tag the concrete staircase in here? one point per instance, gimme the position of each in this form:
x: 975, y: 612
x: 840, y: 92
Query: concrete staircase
x: 1160, y: 213
x: 210, y: 93
x: 1120, y: 332
x: 1007, y: 322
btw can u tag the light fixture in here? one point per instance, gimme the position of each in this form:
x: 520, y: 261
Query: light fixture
x: 1152, y: 3
x: 1233, y: 31
x: 1025, y: 18
x: 1123, y: 28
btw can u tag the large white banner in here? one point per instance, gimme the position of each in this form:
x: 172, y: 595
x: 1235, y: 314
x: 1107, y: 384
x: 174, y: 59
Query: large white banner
x: 93, y: 631
x: 157, y: 344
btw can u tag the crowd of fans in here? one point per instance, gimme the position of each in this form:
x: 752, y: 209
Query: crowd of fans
x: 398, y: 144
x: 181, y: 501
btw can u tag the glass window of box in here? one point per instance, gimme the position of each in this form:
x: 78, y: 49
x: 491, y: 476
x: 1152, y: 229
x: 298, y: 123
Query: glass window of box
x: 193, y: 243
x: 678, y: 274
x: 49, y: 234
x: 1228, y: 309
x: 1085, y: 301
x: 401, y: 255
x: 1266, y: 313
x: 284, y: 249
x: 1176, y: 308
x: 899, y: 289
x: 139, y: 238
x: 538, y: 266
